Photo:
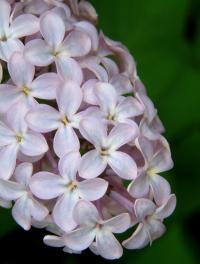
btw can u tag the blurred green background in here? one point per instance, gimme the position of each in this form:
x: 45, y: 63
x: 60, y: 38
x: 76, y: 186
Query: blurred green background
x: 164, y: 38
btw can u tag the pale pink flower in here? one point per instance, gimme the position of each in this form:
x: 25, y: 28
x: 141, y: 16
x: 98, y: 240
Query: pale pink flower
x: 24, y: 89
x: 26, y: 206
x: 15, y: 137
x: 91, y: 227
x: 46, y: 185
x: 150, y: 218
x: 12, y: 31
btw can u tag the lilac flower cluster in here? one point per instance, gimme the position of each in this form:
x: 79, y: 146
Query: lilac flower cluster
x: 81, y: 145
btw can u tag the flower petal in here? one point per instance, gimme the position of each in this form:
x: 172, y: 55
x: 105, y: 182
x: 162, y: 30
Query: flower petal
x: 23, y: 173
x: 143, y: 208
x: 37, y: 53
x: 123, y: 165
x: 34, y: 144
x: 7, y: 48
x: 156, y: 229
x: 118, y: 224
x: 24, y: 25
x: 108, y: 246
x: 92, y: 189
x: 54, y: 241
x: 92, y: 165
x: 38, y: 211
x: 10, y: 96
x: 17, y: 66
x: 5, y: 10
x: 162, y: 161
x: 10, y: 190
x: 46, y: 185
x: 6, y: 135
x: 167, y: 208
x: 43, y: 118
x: 139, y: 187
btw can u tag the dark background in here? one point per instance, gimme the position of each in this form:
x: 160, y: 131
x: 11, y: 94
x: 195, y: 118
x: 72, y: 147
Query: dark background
x: 164, y: 37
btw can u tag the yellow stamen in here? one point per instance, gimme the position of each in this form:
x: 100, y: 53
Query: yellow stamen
x: 71, y: 186
x: 19, y: 138
x: 25, y: 90
x: 65, y: 121
x: 104, y: 152
x: 151, y: 171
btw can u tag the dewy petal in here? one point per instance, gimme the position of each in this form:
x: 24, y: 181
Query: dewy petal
x: 5, y: 10
x: 160, y: 188
x: 122, y: 134
x: 92, y: 165
x: 21, y: 71
x: 139, y: 238
x: 7, y: 48
x: 93, y: 130
x: 43, y: 118
x: 118, y: 224
x: 76, y: 44
x: 10, y: 96
x: 24, y: 25
x: 8, y: 155
x: 52, y: 28
x: 21, y: 212
x: 69, y: 69
x: 38, y: 211
x: 161, y: 161
x: 10, y: 190
x: 68, y: 165
x: 80, y: 238
x: 34, y: 144
x: 23, y: 173
x: 166, y: 209
x: 92, y: 189
x: 107, y: 97
x: 65, y: 141
x: 139, y: 187
x: 69, y: 98
x: 45, y: 86
x: 37, y: 52
x: 63, y: 210
x: 86, y: 214
x: 46, y: 185
x: 143, y: 208
x: 123, y: 165
x: 107, y: 245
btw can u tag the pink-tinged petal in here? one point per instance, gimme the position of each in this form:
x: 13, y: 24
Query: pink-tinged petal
x: 43, y: 118
x: 139, y: 239
x: 5, y: 204
x: 93, y: 66
x: 46, y: 185
x: 52, y: 28
x: 17, y: 67
x: 80, y: 238
x: 63, y: 210
x: 160, y: 189
x: 15, y: 118
x: 34, y: 144
x: 118, y: 224
x: 166, y: 209
x: 93, y: 130
x: 76, y: 44
x: 10, y: 190
x: 24, y: 25
x: 23, y: 173
x: 45, y: 86
x: 65, y: 141
x: 108, y: 246
x: 54, y: 241
x: 86, y: 214
x: 37, y: 52
x: 139, y: 187
x: 150, y: 111
x: 92, y: 189
x: 69, y: 98
x: 107, y: 97
x: 92, y: 165
x: 89, y: 95
x: 122, y: 134
x: 21, y: 212
x: 162, y: 161
x: 68, y: 165
x: 69, y: 69
x: 89, y: 29
x: 146, y: 148
x: 5, y: 10
x: 7, y: 48
x: 143, y: 208
x: 110, y: 66
x: 128, y: 108
x: 155, y: 229
x: 10, y: 96
x: 24, y: 158
x: 38, y: 211
x: 8, y: 155
x: 122, y: 84
x: 123, y: 165
x: 6, y: 135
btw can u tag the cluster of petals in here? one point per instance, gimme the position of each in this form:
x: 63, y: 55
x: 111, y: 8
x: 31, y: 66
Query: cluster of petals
x: 81, y: 144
